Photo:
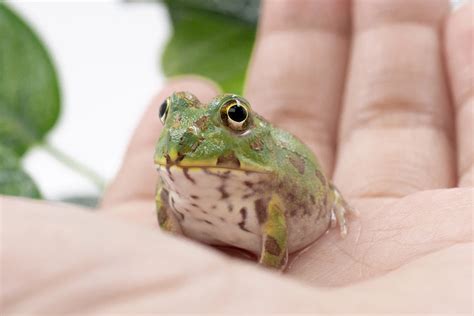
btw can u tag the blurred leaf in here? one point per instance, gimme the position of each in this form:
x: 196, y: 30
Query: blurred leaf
x: 13, y: 180
x: 29, y: 90
x: 90, y: 201
x: 246, y: 10
x: 211, y: 39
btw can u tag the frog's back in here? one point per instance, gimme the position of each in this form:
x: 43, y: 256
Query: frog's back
x: 304, y: 190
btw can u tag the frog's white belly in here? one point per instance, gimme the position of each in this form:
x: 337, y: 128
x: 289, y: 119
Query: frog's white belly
x: 217, y: 206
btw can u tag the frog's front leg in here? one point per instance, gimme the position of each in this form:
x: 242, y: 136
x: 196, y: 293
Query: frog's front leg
x: 166, y: 218
x: 274, y: 234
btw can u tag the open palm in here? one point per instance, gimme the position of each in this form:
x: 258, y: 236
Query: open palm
x: 382, y: 92
x: 391, y: 144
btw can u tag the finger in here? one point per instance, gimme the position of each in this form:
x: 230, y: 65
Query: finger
x: 297, y: 71
x: 137, y: 177
x: 396, y: 129
x: 459, y: 53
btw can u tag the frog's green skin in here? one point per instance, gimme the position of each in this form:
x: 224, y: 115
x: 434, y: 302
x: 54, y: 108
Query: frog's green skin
x: 259, y: 189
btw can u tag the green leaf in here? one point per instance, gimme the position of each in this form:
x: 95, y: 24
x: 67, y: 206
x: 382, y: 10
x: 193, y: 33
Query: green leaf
x: 29, y: 89
x: 13, y: 180
x: 214, y: 42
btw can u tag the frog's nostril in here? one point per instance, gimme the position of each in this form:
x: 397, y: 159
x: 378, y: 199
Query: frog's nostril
x: 192, y: 130
x: 202, y: 123
x: 168, y: 160
x: 189, y: 142
x: 180, y: 157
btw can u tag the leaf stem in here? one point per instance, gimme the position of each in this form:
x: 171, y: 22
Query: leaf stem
x: 75, y: 165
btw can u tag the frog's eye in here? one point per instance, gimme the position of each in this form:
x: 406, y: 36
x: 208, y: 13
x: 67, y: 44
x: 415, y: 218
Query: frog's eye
x: 164, y: 111
x: 235, y: 115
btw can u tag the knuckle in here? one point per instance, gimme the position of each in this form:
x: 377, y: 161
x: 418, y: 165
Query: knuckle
x: 393, y: 113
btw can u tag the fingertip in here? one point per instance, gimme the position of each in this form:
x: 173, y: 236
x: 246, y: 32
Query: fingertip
x: 203, y: 88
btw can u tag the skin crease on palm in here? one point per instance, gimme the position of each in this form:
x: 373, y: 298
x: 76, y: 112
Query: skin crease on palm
x: 382, y: 92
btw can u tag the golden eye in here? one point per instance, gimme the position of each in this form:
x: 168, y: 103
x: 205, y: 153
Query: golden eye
x: 163, y: 111
x: 235, y: 115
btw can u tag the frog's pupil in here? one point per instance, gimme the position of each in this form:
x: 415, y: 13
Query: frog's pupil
x: 237, y: 113
x: 163, y: 109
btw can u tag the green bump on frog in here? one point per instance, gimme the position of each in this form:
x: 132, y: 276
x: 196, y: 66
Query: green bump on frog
x: 229, y: 177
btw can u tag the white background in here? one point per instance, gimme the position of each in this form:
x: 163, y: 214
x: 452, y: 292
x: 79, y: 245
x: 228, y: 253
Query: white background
x: 107, y: 57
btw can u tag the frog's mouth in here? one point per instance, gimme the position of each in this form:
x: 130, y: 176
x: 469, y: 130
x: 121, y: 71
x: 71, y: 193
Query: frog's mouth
x: 224, y: 162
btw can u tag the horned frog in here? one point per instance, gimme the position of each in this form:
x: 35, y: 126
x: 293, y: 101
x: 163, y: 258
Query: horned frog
x: 229, y: 177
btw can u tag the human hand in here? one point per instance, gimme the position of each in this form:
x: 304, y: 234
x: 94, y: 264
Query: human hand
x: 391, y: 146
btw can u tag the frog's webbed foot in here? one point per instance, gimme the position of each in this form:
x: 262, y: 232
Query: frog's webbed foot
x: 166, y: 218
x: 340, y: 211
x: 274, y: 252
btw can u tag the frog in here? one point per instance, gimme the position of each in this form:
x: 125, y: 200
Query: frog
x: 228, y: 177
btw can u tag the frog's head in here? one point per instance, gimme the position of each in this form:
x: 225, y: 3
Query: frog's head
x: 225, y: 133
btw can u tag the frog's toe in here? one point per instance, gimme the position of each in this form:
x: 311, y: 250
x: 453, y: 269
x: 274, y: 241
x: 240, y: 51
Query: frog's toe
x: 340, y: 211
x: 339, y: 214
